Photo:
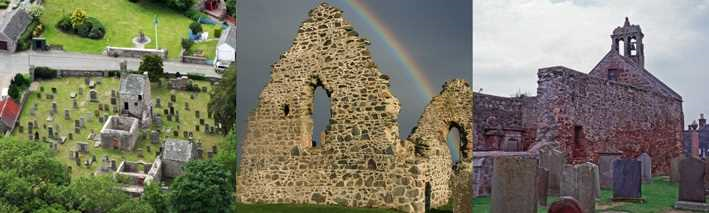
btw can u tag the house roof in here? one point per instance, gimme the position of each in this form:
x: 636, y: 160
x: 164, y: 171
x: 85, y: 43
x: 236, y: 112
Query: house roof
x: 177, y: 150
x: 229, y: 38
x: 133, y: 84
x: 14, y: 23
x: 9, y: 112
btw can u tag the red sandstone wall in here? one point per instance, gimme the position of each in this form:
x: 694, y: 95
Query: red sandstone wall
x: 613, y: 117
x: 493, y: 112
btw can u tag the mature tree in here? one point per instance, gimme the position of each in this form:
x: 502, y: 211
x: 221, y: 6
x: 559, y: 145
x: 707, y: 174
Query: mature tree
x: 231, y: 7
x: 153, y: 65
x: 181, y: 5
x: 134, y: 206
x: 95, y: 194
x: 153, y: 196
x: 227, y: 155
x: 35, y: 10
x: 204, y: 187
x: 222, y: 104
x: 196, y: 28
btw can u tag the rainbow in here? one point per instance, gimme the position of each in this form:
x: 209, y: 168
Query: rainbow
x: 426, y: 88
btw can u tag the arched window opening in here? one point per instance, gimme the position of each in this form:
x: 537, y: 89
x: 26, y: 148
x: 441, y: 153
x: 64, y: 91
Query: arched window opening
x: 455, y: 141
x: 633, y: 47
x: 286, y: 109
x: 320, y: 113
x: 621, y: 47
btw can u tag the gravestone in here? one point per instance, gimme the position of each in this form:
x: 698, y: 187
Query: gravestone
x: 158, y: 103
x: 513, y: 185
x: 72, y: 95
x: 50, y: 97
x: 154, y: 137
x: 81, y: 90
x: 54, y: 107
x: 691, y: 184
x: 596, y: 183
x: 626, y: 180
x: 71, y: 136
x: 50, y: 132
x: 30, y: 126
x: 166, y: 112
x: 77, y: 124
x: 113, y: 164
x: 175, y: 133
x: 201, y: 121
x: 577, y: 181
x: 74, y: 104
x: 187, y: 106
x: 173, y: 98
x: 210, y: 155
x: 185, y: 134
x: 66, y: 115
x: 82, y: 147
x: 113, y: 93
x: 674, y: 172
x: 93, y: 96
x: 113, y: 101
x: 169, y: 117
x: 192, y: 96
x: 550, y: 159
x: 54, y: 90
x: 646, y: 167
x: 605, y: 166
x: 157, y: 121
x: 200, y: 152
x: 177, y: 117
x: 196, y: 127
x: 565, y: 205
x: 196, y: 113
x: 204, y: 89
x: 542, y: 188
x: 92, y: 84
x: 172, y: 110
x: 36, y: 135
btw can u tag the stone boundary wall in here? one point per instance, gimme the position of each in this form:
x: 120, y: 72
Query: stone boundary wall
x: 83, y: 73
x: 134, y: 52
x: 587, y: 115
x: 192, y: 59
x: 492, y: 112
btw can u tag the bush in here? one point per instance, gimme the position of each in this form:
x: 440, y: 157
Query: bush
x: 196, y: 28
x: 217, y: 32
x: 25, y: 40
x: 89, y: 28
x: 196, y: 76
x: 44, y: 73
x: 64, y: 24
x: 38, y: 30
x: 187, y: 44
x: 153, y: 65
x: 231, y: 8
x: 78, y: 17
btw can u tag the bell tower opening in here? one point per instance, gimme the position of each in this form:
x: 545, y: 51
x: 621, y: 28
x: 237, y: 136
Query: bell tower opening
x: 628, y: 41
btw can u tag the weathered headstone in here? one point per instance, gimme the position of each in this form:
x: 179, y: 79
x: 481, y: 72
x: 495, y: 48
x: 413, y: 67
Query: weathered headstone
x: 565, y: 205
x: 157, y: 121
x: 578, y: 182
x: 646, y: 167
x: 82, y: 147
x: 201, y: 121
x: 74, y: 104
x: 674, y: 172
x: 93, y: 96
x: 691, y: 184
x: 605, y: 166
x: 67, y: 115
x: 552, y: 160
x: 513, y: 185
x: 81, y: 90
x: 50, y: 132
x: 626, y: 180
x: 54, y: 107
x: 196, y: 113
x: 113, y: 101
x: 187, y: 106
x: 54, y: 90
x: 542, y: 188
x: 158, y: 103
x: 154, y: 137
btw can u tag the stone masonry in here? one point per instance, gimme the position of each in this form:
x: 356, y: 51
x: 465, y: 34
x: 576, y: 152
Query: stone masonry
x: 618, y: 106
x: 360, y: 160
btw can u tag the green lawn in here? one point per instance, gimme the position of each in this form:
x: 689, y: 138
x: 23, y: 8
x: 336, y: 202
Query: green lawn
x: 660, y: 196
x: 208, y: 47
x: 65, y: 86
x: 123, y: 21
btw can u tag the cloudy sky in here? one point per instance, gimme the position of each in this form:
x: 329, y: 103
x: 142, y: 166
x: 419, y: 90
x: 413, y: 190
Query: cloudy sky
x: 513, y: 38
x: 437, y: 35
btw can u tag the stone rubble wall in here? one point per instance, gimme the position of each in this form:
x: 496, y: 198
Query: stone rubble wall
x: 134, y: 52
x: 613, y: 117
x: 495, y: 112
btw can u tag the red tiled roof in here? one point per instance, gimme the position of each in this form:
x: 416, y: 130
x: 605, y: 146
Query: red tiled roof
x: 9, y: 112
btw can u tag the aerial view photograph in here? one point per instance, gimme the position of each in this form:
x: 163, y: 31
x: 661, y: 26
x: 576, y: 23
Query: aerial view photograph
x: 117, y: 105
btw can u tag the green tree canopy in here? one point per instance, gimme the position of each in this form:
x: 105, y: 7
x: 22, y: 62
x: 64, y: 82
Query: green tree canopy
x: 204, y: 187
x: 222, y: 104
x: 153, y: 65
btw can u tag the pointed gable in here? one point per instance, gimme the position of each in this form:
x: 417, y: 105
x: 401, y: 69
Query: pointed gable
x: 619, y: 68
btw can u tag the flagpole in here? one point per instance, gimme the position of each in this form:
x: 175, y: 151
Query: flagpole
x: 155, y: 23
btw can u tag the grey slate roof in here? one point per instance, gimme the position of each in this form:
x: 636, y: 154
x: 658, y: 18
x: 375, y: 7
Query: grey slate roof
x: 229, y: 38
x: 14, y: 23
x: 177, y: 150
x: 133, y: 84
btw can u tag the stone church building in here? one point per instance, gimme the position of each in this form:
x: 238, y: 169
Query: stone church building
x: 618, y: 106
x: 360, y: 160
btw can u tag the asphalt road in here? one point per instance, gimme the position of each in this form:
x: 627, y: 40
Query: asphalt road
x: 10, y: 64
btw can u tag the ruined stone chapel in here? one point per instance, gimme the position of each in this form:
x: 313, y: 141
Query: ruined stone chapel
x: 360, y: 160
x: 617, y: 107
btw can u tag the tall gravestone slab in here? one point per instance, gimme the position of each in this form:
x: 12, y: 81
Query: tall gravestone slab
x: 552, y: 160
x: 706, y: 171
x: 513, y: 185
x: 596, y: 181
x: 605, y: 167
x: 646, y: 167
x: 542, y: 188
x: 674, y: 171
x: 626, y: 180
x: 691, y: 183
x: 578, y: 181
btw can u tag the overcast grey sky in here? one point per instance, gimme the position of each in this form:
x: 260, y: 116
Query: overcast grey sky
x: 513, y: 38
x: 437, y: 35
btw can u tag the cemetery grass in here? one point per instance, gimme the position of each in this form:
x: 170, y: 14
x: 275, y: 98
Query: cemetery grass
x: 123, y: 21
x: 208, y: 47
x: 86, y: 108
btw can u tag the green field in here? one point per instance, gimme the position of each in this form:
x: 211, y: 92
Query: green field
x: 660, y: 196
x: 65, y: 86
x: 123, y: 21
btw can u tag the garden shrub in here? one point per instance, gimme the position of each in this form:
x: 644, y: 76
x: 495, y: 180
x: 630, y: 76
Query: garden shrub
x: 89, y: 28
x: 187, y: 44
x: 25, y: 40
x: 217, y: 32
x: 44, y: 73
x: 4, y: 4
x: 196, y: 28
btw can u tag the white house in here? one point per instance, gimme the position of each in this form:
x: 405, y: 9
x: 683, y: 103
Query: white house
x: 226, y: 49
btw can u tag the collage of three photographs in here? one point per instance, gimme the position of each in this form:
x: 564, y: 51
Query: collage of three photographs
x: 561, y: 106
